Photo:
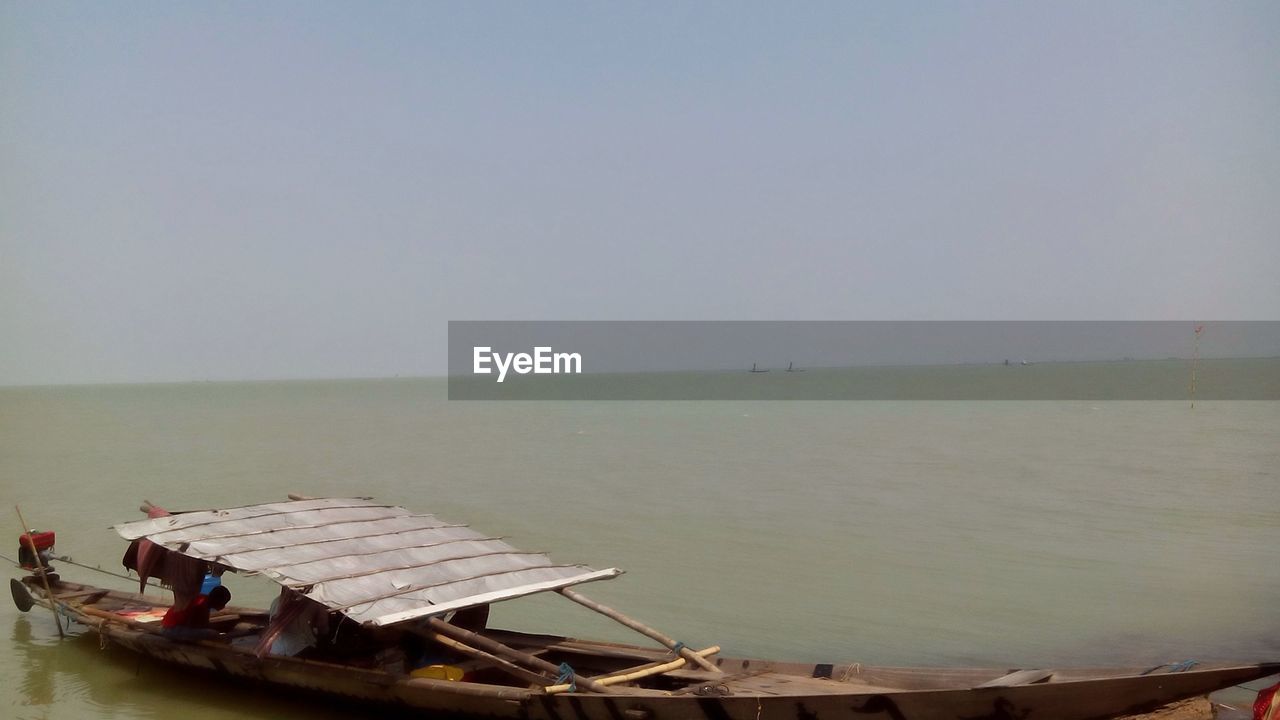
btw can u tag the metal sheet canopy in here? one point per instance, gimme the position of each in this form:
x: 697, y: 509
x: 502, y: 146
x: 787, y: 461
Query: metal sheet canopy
x: 375, y: 563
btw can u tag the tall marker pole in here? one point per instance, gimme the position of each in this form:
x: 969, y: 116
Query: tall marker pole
x: 1195, y: 361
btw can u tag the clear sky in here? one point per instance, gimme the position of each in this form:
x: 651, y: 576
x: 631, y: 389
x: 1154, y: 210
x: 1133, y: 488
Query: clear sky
x: 234, y: 190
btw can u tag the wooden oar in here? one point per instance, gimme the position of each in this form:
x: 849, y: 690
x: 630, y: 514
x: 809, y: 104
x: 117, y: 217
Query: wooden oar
x: 641, y: 628
x: 53, y: 608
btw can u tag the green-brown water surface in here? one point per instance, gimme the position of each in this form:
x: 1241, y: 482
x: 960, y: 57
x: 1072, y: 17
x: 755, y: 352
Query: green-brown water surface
x: 1005, y: 533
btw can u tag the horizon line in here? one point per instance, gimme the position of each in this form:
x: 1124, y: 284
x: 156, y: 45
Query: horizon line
x: 446, y: 376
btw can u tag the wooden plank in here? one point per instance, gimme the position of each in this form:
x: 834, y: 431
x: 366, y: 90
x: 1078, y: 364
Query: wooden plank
x: 81, y: 594
x: 728, y: 680
x: 1018, y: 677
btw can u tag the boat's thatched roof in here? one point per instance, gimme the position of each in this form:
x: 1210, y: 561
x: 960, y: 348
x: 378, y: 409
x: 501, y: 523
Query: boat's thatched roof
x: 376, y: 563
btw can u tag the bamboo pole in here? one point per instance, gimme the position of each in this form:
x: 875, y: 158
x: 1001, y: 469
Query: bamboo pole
x: 508, y: 667
x: 641, y: 628
x: 150, y: 628
x: 510, y: 653
x: 643, y: 671
x: 44, y: 577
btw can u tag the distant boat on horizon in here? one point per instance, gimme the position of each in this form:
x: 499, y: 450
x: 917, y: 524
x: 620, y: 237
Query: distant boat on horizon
x: 754, y: 370
x: 791, y: 368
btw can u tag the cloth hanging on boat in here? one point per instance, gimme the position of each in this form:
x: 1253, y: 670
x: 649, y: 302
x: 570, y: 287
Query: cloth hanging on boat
x: 294, y: 623
x: 144, y: 556
x: 183, y: 574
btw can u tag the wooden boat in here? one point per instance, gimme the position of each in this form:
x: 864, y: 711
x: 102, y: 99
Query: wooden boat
x: 399, y: 574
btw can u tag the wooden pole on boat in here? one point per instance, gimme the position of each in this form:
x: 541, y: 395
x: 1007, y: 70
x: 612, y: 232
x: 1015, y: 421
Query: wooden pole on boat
x: 508, y: 667
x: 643, y: 671
x: 105, y: 616
x: 641, y: 628
x: 510, y: 653
x: 48, y: 591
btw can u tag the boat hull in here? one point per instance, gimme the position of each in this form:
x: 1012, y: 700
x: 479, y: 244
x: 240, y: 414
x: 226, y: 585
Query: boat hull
x: 756, y: 690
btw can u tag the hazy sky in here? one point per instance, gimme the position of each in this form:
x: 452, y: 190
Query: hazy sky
x: 263, y: 190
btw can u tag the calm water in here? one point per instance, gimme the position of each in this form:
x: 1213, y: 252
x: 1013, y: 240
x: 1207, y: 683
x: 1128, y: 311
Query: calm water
x: 1015, y: 533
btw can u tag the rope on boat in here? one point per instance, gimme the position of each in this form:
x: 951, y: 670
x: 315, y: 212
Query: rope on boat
x: 567, y: 675
x: 69, y: 561
x: 95, y: 568
x: 64, y: 612
x: 1183, y: 666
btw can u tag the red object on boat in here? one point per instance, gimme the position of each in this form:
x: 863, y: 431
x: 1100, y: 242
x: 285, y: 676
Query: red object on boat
x: 43, y: 540
x: 1267, y: 706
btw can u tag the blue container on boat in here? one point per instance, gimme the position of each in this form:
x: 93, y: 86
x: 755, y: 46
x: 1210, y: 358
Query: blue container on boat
x: 210, y: 582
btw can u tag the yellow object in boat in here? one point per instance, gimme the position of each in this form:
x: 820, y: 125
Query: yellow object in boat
x: 438, y: 672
